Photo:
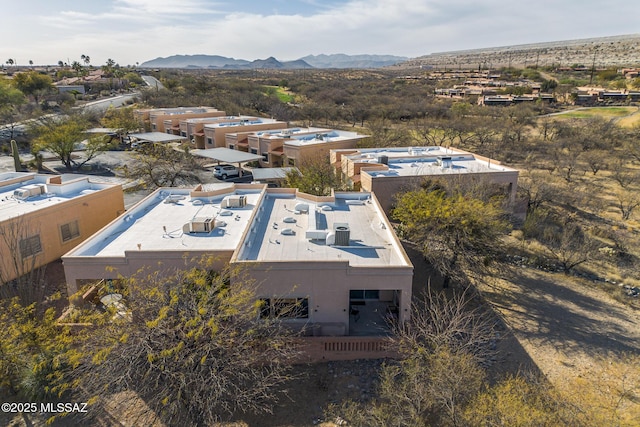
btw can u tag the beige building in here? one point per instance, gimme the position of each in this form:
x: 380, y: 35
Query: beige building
x: 194, y: 128
x: 287, y: 147
x: 166, y: 120
x: 336, y: 259
x: 43, y: 216
x: 214, y: 133
x: 387, y: 171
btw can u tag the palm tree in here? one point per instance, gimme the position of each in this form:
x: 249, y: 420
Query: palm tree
x: 77, y: 67
x: 31, y: 63
x: 85, y: 59
x: 60, y: 64
x: 10, y: 62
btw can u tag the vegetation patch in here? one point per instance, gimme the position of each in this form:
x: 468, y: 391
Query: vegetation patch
x: 607, y: 112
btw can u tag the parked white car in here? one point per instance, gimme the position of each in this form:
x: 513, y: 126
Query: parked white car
x: 225, y: 171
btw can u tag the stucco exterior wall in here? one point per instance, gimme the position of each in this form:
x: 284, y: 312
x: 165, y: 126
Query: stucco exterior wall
x: 327, y: 285
x: 91, y: 211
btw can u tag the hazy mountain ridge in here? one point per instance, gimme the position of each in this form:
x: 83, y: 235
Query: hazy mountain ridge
x: 341, y: 60
x: 310, y: 61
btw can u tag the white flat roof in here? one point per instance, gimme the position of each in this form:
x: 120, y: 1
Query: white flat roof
x: 430, y: 166
x: 158, y: 137
x: 13, y: 206
x: 271, y: 173
x: 157, y: 222
x: 225, y: 155
x: 372, y: 241
x: 424, y: 161
x: 323, y: 137
x: 240, y: 122
x: 279, y: 133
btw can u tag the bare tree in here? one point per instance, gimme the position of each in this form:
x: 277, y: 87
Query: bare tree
x: 444, y: 345
x: 21, y: 273
x: 161, y: 166
x: 568, y: 243
x: 626, y: 201
x: 459, y: 322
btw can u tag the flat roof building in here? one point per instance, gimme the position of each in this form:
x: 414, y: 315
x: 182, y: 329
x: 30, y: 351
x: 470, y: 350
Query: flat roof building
x: 167, y: 119
x: 332, y: 256
x: 288, y: 147
x: 43, y: 216
x: 214, y: 133
x: 387, y: 171
x: 194, y: 128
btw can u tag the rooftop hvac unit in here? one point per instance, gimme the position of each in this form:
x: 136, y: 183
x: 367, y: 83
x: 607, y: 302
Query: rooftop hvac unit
x: 27, y: 191
x: 383, y: 160
x: 342, y: 233
x: 235, y: 201
x: 445, y: 162
x: 201, y: 225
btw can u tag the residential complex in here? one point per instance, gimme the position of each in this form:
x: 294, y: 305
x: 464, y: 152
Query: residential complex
x: 42, y: 217
x: 388, y: 171
x: 287, y: 147
x: 333, y: 258
x: 214, y: 133
x: 167, y: 119
x: 193, y: 128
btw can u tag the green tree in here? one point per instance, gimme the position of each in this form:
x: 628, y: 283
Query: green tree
x: 11, y: 99
x: 315, y: 176
x: 77, y: 67
x: 33, y: 83
x: 519, y: 402
x: 60, y: 136
x: 122, y: 120
x: 458, y: 234
x: 35, y: 352
x: 194, y: 350
x: 161, y: 166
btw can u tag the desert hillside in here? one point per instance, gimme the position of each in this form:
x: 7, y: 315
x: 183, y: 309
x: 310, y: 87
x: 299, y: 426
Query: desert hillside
x: 613, y: 51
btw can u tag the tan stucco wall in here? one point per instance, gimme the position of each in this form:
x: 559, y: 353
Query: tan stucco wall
x: 92, y: 211
x: 217, y: 134
x: 327, y: 285
x: 137, y: 263
x: 159, y: 119
x: 320, y: 150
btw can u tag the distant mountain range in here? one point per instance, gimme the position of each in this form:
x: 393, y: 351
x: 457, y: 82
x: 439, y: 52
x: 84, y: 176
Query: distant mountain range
x: 310, y: 61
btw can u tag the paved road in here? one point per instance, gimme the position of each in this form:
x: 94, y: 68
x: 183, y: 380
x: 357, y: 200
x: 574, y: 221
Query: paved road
x: 153, y: 82
x: 104, y: 104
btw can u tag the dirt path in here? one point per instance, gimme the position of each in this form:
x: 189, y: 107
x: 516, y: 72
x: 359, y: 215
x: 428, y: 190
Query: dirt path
x: 562, y: 323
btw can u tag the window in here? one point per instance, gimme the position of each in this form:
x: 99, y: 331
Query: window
x: 285, y: 308
x: 30, y: 246
x: 291, y: 162
x: 254, y: 151
x: 209, y: 141
x: 265, y: 157
x: 69, y: 231
x: 360, y: 294
x: 232, y: 147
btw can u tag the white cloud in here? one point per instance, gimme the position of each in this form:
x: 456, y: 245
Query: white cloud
x: 138, y: 30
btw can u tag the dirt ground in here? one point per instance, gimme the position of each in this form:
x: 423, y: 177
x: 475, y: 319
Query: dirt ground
x: 564, y: 323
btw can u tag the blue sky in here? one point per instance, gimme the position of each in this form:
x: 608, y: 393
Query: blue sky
x: 134, y: 31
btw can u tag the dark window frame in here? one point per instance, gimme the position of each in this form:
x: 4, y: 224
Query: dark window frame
x: 30, y: 246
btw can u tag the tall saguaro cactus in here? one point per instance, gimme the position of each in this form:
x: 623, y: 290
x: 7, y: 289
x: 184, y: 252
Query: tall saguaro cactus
x: 16, y: 156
